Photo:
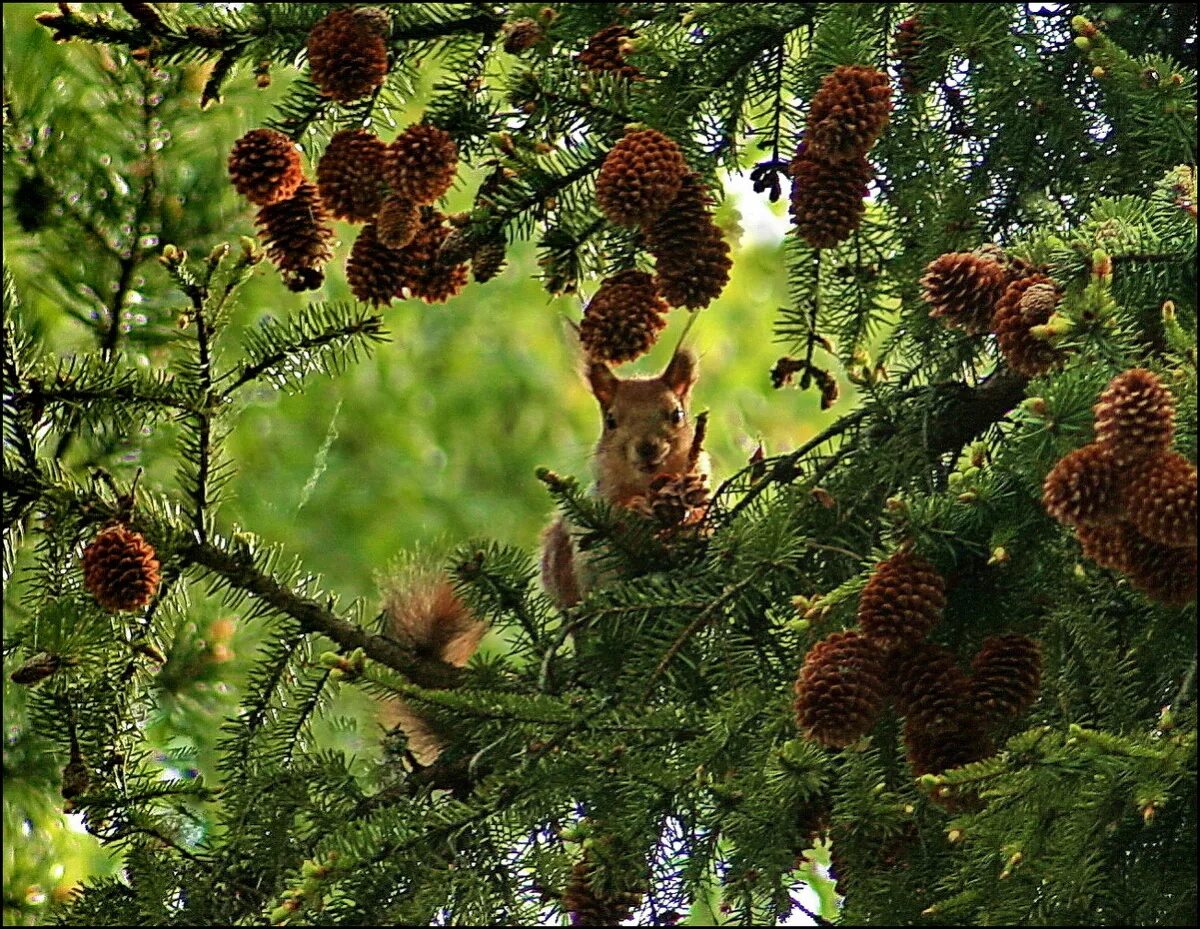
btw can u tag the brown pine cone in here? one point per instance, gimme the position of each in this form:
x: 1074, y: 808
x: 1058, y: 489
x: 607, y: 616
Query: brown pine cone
x: 907, y: 44
x: 120, y: 569
x: 606, y: 51
x: 930, y: 689
x: 1007, y: 675
x: 827, y: 202
x: 1109, y: 546
x: 522, y: 34
x: 591, y: 905
x: 963, y: 290
x: 1161, y: 500
x: 692, y: 260
x: 350, y: 175
x: 902, y: 601
x: 426, y: 275
x: 487, y: 261
x: 1161, y: 572
x: 677, y: 499
x: 1084, y: 488
x: 296, y: 233
x: 347, y: 53
x: 935, y: 752
x: 640, y: 177
x: 840, y: 690
x: 374, y: 272
x: 1026, y: 303
x: 422, y: 163
x: 397, y: 223
x: 1135, y: 416
x: 37, y: 669
x: 264, y: 166
x: 848, y: 113
x: 623, y: 320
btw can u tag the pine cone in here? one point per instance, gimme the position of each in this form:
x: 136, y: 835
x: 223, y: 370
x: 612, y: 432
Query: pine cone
x: 930, y: 690
x: 677, y: 499
x: 37, y: 669
x: 1026, y: 303
x: 1161, y: 500
x: 848, y: 113
x: 297, y: 233
x: 426, y: 275
x: 640, y: 177
x: 623, y: 319
x: 120, y: 570
x: 397, y: 222
x: 828, y: 198
x: 350, y: 175
x: 1109, y: 546
x: 488, y: 261
x: 1084, y: 488
x: 840, y: 690
x: 422, y: 163
x: 1164, y: 574
x: 1007, y: 674
x: 1135, y: 416
x: 347, y: 54
x: 590, y: 905
x: 606, y: 50
x: 963, y: 290
x: 933, y: 753
x: 522, y: 34
x: 691, y: 256
x: 902, y: 601
x: 264, y: 166
x: 374, y: 272
x: 907, y: 45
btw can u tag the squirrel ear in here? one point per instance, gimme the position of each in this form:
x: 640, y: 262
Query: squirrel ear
x: 604, y: 383
x: 681, y: 373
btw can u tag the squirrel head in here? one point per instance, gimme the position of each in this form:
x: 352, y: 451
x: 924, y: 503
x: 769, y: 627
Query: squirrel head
x: 646, y: 427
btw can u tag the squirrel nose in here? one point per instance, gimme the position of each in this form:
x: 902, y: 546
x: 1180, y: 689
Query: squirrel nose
x: 647, y: 449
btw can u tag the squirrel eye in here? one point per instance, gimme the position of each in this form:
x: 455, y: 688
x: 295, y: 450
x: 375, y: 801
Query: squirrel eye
x: 610, y: 421
x: 676, y: 415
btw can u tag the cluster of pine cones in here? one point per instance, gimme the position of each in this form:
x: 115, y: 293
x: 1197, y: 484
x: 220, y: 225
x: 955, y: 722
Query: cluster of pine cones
x: 1130, y: 497
x: 849, y: 677
x: 989, y: 291
x: 830, y: 172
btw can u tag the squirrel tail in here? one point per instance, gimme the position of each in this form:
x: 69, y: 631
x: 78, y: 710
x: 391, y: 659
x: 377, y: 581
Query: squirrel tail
x: 423, y: 613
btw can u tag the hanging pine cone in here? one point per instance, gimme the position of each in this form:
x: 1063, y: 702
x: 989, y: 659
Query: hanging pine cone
x: 827, y: 202
x: 426, y: 275
x: 397, y: 222
x: 1109, y: 546
x: 347, y: 53
x: 691, y: 256
x: 929, y: 688
x: 350, y: 175
x: 1161, y: 572
x: 120, y: 570
x: 640, y: 177
x: 1027, y: 303
x: 296, y: 233
x: 676, y: 500
x: 522, y: 34
x: 902, y: 601
x: 1161, y: 500
x: 1084, y: 488
x: 591, y: 905
x: 848, y: 113
x: 907, y: 44
x: 935, y: 752
x: 264, y: 166
x: 422, y: 163
x: 374, y: 272
x: 623, y: 320
x: 606, y: 51
x: 1006, y: 678
x: 1135, y: 416
x: 840, y: 690
x: 487, y: 261
x: 963, y: 290
x: 37, y: 669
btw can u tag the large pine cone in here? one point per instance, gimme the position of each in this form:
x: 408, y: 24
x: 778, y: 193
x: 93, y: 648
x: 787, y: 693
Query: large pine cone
x: 1161, y: 500
x: 1161, y: 572
x: 692, y: 260
x: 848, y: 113
x: 827, y: 202
x: 840, y: 690
x: 350, y: 175
x: 374, y: 272
x: 120, y: 569
x: 935, y: 752
x: 347, y: 53
x: 430, y: 277
x: 1007, y: 675
x: 1084, y: 488
x: 640, y: 177
x: 930, y: 689
x: 297, y: 234
x: 902, y: 601
x: 963, y: 290
x: 606, y: 50
x: 397, y: 222
x: 1135, y: 416
x: 422, y: 163
x: 1109, y: 546
x: 623, y: 320
x: 264, y: 166
x: 1027, y: 303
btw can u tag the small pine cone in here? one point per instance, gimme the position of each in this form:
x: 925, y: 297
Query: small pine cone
x: 424, y: 274
x: 963, y: 290
x: 589, y: 905
x: 1161, y: 572
x: 37, y: 669
x: 458, y: 246
x: 347, y: 54
x: 146, y: 16
x: 1026, y: 303
x: 827, y: 202
x: 397, y: 222
x: 606, y: 51
x: 488, y: 261
x: 933, y: 753
x: 1014, y: 268
x: 623, y: 320
x: 1007, y: 675
x: 1135, y: 416
x: 930, y: 690
x: 677, y: 499
x: 840, y: 690
x: 76, y: 779
x: 264, y: 166
x: 350, y: 175
x: 848, y: 113
x: 522, y: 34
x: 297, y: 233
x: 120, y: 570
x: 1084, y: 488
x: 692, y: 260
x: 422, y: 163
x: 374, y: 272
x: 1109, y: 546
x: 640, y: 177
x: 1161, y: 500
x: 907, y: 44
x: 902, y: 601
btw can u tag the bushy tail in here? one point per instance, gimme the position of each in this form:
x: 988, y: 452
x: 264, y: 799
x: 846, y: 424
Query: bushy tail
x: 424, y: 614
